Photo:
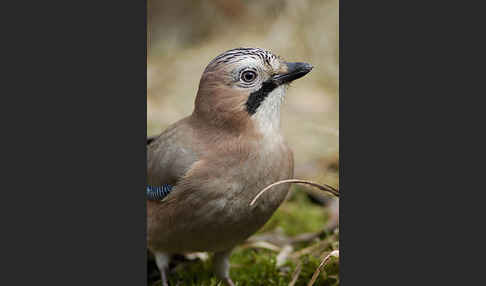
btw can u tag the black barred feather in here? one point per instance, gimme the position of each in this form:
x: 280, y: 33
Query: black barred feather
x: 157, y: 193
x: 238, y: 54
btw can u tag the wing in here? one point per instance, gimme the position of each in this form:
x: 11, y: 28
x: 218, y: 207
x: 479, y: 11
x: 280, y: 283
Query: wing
x: 170, y: 154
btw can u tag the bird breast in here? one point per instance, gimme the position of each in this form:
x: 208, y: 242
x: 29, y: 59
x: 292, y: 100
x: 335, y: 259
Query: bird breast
x: 216, y: 215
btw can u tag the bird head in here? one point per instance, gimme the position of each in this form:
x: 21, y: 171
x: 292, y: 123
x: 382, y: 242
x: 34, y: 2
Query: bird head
x: 244, y: 88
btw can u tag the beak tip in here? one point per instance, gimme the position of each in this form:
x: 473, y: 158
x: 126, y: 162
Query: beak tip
x: 295, y: 71
x: 308, y: 67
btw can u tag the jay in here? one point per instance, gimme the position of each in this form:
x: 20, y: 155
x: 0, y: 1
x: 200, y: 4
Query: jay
x: 203, y: 170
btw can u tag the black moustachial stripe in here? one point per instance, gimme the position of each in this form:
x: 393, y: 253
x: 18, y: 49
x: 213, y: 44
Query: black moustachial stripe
x: 256, y: 98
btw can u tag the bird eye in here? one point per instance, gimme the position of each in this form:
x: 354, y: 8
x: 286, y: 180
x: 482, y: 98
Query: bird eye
x: 248, y: 76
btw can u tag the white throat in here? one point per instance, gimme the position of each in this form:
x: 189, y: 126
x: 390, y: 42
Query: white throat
x: 267, y: 115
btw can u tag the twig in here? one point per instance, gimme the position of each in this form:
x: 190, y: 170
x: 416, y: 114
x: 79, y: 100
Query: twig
x: 318, y: 247
x: 305, y: 237
x: 261, y: 244
x: 283, y: 255
x: 334, y: 253
x: 281, y: 239
x: 324, y: 187
x: 296, y: 273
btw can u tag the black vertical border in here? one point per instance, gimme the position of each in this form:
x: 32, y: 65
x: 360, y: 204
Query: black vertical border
x: 411, y: 143
x: 73, y: 202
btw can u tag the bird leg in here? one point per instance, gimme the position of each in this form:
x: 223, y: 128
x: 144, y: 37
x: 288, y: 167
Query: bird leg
x: 162, y: 260
x: 221, y: 266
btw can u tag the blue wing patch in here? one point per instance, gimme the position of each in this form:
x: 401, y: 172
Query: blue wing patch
x: 157, y: 193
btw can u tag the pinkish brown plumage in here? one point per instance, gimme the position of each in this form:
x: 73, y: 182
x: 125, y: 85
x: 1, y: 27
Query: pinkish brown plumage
x: 219, y: 157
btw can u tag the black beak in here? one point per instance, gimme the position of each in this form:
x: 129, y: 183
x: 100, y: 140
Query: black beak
x: 294, y: 71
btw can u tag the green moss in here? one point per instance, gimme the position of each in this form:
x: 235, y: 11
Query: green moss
x: 255, y: 267
x: 197, y: 273
x: 297, y: 215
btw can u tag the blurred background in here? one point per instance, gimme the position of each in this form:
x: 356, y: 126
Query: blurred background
x: 183, y: 36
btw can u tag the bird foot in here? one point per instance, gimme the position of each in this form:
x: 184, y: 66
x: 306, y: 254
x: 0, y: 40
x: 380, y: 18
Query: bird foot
x: 164, y: 279
x: 162, y: 261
